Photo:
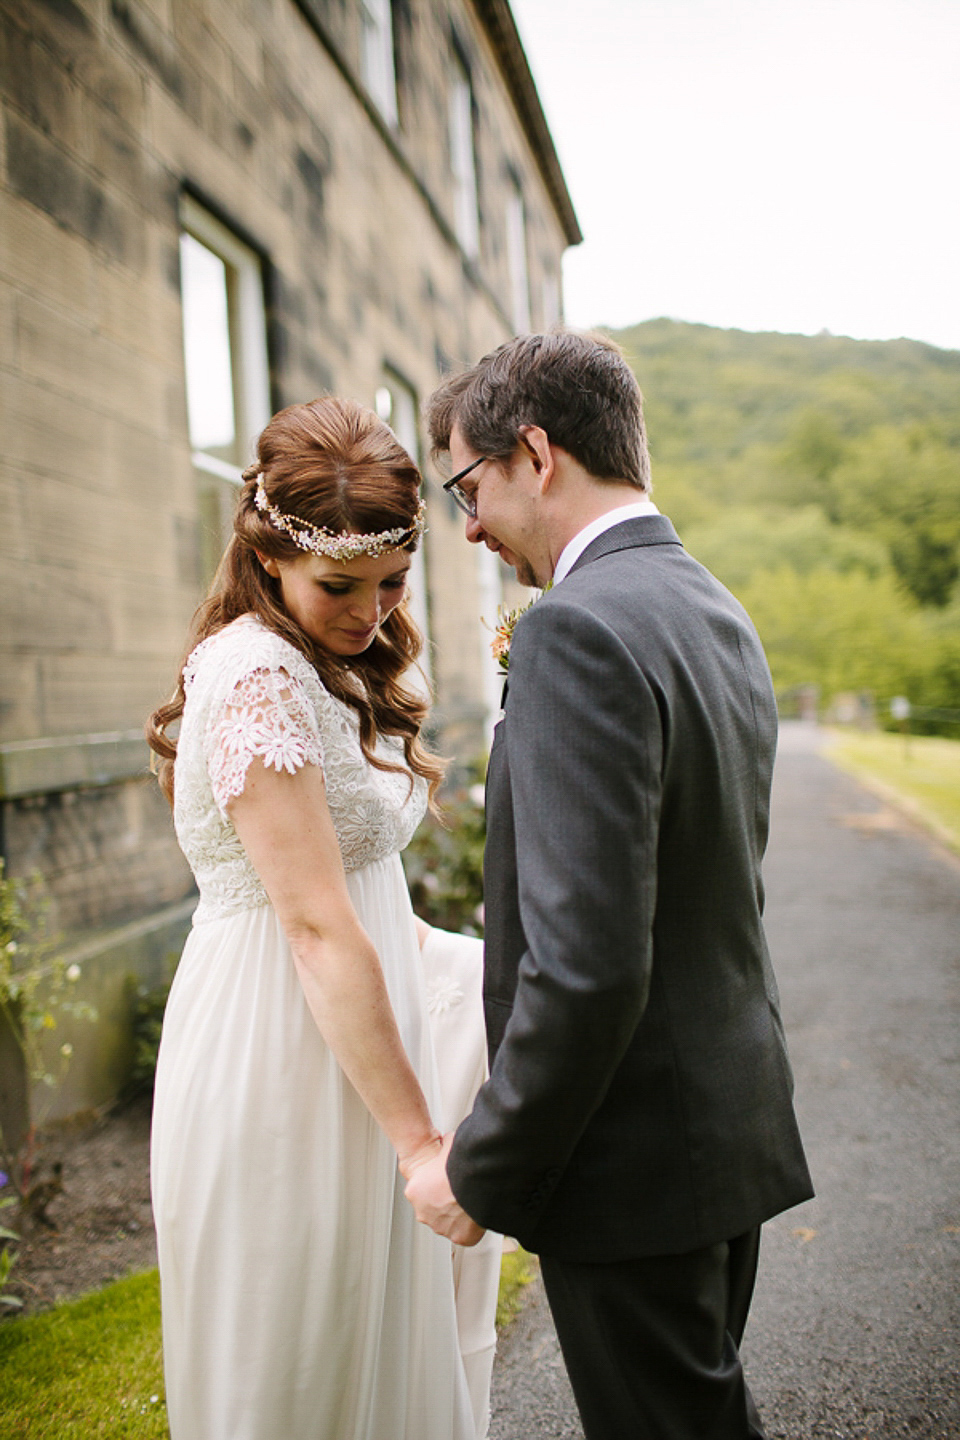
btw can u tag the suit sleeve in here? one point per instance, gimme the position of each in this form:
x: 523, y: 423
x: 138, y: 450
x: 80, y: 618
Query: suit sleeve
x: 584, y: 742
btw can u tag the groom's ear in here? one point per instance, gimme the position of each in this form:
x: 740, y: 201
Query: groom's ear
x: 536, y: 442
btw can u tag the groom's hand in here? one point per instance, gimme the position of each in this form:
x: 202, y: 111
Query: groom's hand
x: 434, y: 1203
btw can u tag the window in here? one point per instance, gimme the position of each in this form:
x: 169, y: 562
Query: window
x: 490, y: 572
x: 225, y: 355
x: 397, y: 406
x: 517, y: 260
x: 379, y: 70
x: 550, y: 301
x: 462, y: 159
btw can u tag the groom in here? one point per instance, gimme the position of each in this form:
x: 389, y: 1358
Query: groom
x: 637, y: 1127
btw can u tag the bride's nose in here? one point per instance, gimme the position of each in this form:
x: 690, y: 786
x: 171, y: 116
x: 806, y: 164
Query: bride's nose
x: 367, y: 608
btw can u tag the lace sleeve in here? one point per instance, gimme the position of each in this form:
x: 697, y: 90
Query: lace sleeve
x: 268, y: 715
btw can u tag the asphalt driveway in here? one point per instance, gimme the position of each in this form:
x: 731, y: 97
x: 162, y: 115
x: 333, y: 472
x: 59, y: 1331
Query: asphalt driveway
x: 854, y: 1330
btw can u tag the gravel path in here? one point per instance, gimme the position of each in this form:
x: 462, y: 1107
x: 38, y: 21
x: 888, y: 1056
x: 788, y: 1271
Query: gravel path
x: 853, y: 1333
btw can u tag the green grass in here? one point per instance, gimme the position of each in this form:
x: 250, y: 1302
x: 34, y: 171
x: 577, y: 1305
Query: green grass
x: 93, y: 1367
x: 517, y: 1269
x: 921, y: 772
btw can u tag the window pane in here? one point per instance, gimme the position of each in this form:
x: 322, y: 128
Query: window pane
x: 517, y: 260
x: 461, y: 157
x: 490, y: 587
x: 206, y: 343
x: 550, y: 302
x: 397, y: 406
x: 378, y: 66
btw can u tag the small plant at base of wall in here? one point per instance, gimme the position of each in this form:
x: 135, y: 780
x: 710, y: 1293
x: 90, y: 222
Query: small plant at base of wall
x: 37, y: 989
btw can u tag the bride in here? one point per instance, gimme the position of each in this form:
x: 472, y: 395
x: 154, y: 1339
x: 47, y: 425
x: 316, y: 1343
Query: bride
x: 299, y: 1061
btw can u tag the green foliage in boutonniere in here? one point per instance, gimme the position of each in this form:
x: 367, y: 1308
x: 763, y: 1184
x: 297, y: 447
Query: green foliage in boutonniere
x: 503, y: 634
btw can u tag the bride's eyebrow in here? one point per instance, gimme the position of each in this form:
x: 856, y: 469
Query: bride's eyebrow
x: 356, y: 579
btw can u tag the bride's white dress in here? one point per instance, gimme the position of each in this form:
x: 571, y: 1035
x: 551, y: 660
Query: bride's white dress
x: 301, y: 1300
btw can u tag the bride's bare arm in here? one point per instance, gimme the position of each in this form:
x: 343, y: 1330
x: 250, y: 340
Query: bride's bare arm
x: 284, y: 824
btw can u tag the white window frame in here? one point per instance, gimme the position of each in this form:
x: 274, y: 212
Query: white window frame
x: 490, y: 593
x: 396, y: 404
x: 379, y: 64
x: 516, y: 225
x: 550, y: 300
x: 248, y: 333
x: 463, y: 159
x: 250, y: 375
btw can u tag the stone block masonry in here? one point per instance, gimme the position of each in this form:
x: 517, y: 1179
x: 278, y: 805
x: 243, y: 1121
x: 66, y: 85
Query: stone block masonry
x: 111, y: 112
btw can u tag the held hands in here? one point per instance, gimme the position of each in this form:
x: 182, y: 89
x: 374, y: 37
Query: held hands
x: 428, y: 1191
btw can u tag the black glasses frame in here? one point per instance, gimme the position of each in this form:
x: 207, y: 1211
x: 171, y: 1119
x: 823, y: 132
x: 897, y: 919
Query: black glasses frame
x: 467, y: 503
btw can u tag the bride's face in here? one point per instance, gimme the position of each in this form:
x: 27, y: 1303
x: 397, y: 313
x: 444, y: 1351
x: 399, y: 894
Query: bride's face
x: 341, y: 604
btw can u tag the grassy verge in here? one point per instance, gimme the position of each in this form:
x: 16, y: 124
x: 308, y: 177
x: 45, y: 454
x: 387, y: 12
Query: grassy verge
x: 94, y: 1367
x: 920, y: 772
x: 90, y: 1368
x: 516, y: 1272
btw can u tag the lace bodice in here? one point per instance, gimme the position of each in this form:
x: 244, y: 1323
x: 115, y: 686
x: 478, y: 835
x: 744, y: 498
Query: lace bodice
x: 251, y: 693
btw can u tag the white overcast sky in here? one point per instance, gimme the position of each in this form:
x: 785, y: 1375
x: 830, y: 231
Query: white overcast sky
x: 765, y: 164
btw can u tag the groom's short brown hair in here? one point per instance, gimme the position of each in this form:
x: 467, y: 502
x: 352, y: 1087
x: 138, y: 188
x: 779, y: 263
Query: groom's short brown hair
x: 577, y: 387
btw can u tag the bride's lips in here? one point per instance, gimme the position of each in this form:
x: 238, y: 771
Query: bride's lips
x: 358, y: 635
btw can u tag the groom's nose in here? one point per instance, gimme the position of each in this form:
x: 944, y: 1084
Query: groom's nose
x: 474, y: 531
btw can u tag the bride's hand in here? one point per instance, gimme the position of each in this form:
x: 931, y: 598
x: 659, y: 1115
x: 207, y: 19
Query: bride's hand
x: 434, y: 1203
x: 423, y: 1153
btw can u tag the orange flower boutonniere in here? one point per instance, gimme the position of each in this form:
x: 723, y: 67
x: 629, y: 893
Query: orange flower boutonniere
x: 506, y: 624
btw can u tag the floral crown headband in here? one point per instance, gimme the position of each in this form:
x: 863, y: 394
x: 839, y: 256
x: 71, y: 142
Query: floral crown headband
x: 339, y: 544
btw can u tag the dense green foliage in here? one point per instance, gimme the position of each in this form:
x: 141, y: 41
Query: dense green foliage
x: 444, y: 864
x: 818, y: 477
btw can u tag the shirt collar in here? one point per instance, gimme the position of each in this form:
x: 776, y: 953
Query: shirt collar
x: 574, y: 548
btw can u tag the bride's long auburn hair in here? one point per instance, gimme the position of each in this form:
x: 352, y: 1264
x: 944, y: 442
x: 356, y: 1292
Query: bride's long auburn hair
x: 334, y: 463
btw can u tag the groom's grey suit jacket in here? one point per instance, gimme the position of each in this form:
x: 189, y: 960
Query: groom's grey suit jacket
x: 640, y: 1097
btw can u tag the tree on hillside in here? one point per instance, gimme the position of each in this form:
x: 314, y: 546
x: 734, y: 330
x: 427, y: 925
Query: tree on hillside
x: 740, y: 541
x: 841, y: 631
x: 819, y: 477
x: 809, y: 457
x: 904, y: 486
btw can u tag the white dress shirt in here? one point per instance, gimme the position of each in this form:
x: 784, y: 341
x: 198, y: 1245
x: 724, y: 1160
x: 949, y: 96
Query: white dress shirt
x: 574, y: 548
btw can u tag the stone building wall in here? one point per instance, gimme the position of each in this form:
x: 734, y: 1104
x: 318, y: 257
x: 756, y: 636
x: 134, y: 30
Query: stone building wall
x: 111, y: 111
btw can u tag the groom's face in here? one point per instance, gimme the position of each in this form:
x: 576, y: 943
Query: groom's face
x: 504, y: 518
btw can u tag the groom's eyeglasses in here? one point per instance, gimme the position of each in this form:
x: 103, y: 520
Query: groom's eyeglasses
x: 467, y: 503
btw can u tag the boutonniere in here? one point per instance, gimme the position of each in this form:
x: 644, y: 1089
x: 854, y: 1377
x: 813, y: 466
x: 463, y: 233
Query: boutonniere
x: 506, y: 624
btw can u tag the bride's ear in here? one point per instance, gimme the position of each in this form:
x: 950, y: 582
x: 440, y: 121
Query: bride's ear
x: 270, y: 565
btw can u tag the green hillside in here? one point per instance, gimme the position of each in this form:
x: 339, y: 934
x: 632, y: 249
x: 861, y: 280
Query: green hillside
x: 818, y: 477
